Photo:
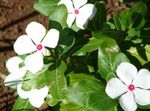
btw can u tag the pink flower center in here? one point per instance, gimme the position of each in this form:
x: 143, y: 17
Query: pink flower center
x: 131, y: 87
x: 76, y: 11
x: 39, y: 47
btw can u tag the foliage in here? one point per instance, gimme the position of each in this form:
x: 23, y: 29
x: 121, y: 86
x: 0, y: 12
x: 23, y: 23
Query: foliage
x: 84, y: 60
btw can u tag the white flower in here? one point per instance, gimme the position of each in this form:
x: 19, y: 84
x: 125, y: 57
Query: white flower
x: 14, y: 79
x: 132, y: 86
x: 35, y: 42
x: 79, y: 10
x: 16, y: 73
x: 36, y: 96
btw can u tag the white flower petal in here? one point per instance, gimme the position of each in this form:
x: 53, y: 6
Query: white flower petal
x: 142, y: 80
x: 51, y: 38
x: 23, y: 94
x: 68, y: 4
x: 127, y: 102
x: 24, y: 45
x: 36, y: 32
x: 16, y: 75
x: 36, y: 101
x: 86, y: 13
x: 126, y: 72
x: 115, y: 88
x: 37, y: 96
x: 13, y: 64
x: 79, y: 3
x: 34, y: 62
x: 70, y: 19
x: 142, y: 96
x: 12, y: 78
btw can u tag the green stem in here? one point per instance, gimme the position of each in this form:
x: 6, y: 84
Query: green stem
x: 16, y: 81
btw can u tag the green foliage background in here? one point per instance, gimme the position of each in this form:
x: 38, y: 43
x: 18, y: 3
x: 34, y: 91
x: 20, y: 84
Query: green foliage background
x: 84, y: 60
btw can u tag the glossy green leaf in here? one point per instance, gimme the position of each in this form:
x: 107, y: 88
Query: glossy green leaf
x: 145, y: 35
x: 138, y: 11
x: 117, y: 21
x: 58, y: 17
x: 94, y: 1
x: 93, y: 44
x: 66, y: 43
x: 74, y: 107
x: 51, y: 101
x: 99, y: 19
x: 134, y: 17
x: 141, y: 53
x: 45, y: 7
x: 87, y: 95
x: 53, y: 77
x: 22, y: 105
x: 37, y: 80
x: 80, y: 76
x: 57, y: 81
x: 109, y: 57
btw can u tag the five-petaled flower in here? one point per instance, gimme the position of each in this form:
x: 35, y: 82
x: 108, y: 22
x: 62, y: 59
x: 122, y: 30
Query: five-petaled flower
x: 15, y: 78
x: 35, y: 43
x: 16, y: 72
x: 79, y: 10
x: 131, y: 85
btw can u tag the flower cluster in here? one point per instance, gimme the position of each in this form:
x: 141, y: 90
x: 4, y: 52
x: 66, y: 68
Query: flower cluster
x: 34, y: 45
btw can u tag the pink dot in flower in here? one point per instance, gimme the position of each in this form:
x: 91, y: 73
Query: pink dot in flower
x: 39, y: 47
x: 76, y: 11
x: 131, y: 87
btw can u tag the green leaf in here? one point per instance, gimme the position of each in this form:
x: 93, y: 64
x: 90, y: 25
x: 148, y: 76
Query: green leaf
x: 141, y: 53
x: 80, y: 76
x: 22, y: 105
x: 117, y: 21
x: 132, y: 32
x: 58, y: 17
x: 66, y: 43
x: 74, y: 107
x: 87, y: 95
x: 50, y: 100
x: 94, y: 1
x: 134, y: 17
x: 145, y: 35
x: 92, y: 45
x: 45, y: 7
x: 53, y: 77
x: 138, y: 11
x: 144, y: 107
x: 109, y: 57
x: 57, y: 81
x: 38, y: 80
x: 99, y: 19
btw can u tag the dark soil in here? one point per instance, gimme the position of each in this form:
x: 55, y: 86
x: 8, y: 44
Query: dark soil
x: 14, y: 17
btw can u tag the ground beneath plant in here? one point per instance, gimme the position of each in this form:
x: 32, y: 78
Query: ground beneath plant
x: 14, y: 17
